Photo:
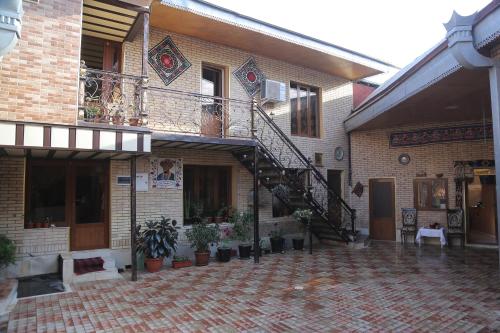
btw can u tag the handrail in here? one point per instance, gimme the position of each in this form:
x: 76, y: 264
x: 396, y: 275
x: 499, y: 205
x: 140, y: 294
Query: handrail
x: 317, y: 173
x: 197, y: 95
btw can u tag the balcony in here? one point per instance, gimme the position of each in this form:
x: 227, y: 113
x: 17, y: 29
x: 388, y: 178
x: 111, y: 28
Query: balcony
x: 114, y: 99
x: 110, y: 98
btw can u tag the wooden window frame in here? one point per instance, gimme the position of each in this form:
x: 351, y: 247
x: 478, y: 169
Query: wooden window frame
x: 197, y: 185
x: 308, y: 133
x: 69, y: 166
x: 429, y: 182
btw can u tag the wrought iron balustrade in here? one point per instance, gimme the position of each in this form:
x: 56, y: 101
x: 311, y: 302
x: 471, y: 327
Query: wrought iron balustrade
x: 328, y: 204
x: 109, y: 97
x: 188, y: 113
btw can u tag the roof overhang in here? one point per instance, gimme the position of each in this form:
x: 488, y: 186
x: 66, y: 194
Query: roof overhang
x: 92, y: 141
x: 218, y: 25
x: 435, y: 87
x: 112, y: 19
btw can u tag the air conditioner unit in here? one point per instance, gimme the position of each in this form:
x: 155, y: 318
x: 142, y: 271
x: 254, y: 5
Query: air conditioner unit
x: 272, y: 91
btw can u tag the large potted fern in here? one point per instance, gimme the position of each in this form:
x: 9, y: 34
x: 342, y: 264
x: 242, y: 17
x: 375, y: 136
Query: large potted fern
x: 157, y: 241
x: 7, y: 252
x: 201, y: 235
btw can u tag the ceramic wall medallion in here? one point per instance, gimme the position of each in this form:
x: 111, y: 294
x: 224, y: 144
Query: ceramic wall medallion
x: 250, y: 76
x: 404, y: 159
x: 167, y: 60
x: 339, y: 153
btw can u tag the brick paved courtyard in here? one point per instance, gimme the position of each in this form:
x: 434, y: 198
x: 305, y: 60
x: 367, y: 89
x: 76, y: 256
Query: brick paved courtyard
x: 383, y: 288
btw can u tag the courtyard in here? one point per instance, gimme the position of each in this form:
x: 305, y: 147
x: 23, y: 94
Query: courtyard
x: 385, y: 287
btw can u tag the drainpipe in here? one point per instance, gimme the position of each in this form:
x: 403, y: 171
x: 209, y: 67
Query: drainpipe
x: 11, y: 12
x: 460, y: 36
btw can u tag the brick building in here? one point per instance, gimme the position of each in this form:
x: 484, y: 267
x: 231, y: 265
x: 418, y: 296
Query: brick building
x: 97, y: 91
x: 426, y: 139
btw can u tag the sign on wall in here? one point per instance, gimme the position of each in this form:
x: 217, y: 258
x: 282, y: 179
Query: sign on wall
x: 166, y: 173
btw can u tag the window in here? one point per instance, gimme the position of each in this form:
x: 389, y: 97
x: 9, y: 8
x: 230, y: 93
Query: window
x: 46, y: 193
x: 207, y: 189
x: 66, y: 192
x: 212, y: 115
x: 431, y: 194
x: 304, y: 102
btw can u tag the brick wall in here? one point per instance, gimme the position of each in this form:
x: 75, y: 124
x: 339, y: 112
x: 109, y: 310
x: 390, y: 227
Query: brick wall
x: 40, y: 76
x: 336, y: 92
x: 169, y: 202
x: 372, y: 158
x: 29, y: 242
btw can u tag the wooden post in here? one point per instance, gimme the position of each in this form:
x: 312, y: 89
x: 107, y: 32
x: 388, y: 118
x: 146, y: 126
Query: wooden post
x: 256, y: 237
x: 133, y: 241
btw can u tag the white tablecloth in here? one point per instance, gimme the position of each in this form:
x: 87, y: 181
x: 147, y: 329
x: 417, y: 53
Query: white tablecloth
x: 436, y: 233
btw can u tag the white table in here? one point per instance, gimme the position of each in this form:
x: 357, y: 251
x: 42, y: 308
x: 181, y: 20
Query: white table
x: 436, y: 233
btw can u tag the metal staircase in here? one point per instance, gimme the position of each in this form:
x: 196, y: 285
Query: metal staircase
x: 292, y: 177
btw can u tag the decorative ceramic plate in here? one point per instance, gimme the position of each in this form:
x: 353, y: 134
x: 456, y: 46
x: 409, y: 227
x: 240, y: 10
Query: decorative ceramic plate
x: 339, y: 153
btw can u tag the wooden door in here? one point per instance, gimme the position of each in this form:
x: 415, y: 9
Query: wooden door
x: 382, y: 212
x: 89, y: 193
x: 212, y: 112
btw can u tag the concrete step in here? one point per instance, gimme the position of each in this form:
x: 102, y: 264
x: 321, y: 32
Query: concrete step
x: 110, y: 270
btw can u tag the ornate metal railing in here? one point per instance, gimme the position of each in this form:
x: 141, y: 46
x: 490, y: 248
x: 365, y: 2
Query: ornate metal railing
x: 110, y: 98
x: 326, y: 202
x: 181, y: 112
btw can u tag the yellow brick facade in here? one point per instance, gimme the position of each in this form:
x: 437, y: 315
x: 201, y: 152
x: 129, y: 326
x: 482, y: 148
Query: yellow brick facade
x: 373, y: 158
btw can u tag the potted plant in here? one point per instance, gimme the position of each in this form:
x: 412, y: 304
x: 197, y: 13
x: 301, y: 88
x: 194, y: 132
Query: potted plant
x: 196, y: 211
x: 304, y: 217
x: 200, y: 236
x: 242, y: 230
x: 29, y: 224
x: 45, y: 222
x: 7, y: 252
x: 276, y: 239
x: 224, y: 251
x: 117, y: 117
x: 221, y: 215
x: 157, y: 241
x: 180, y: 262
x: 134, y: 121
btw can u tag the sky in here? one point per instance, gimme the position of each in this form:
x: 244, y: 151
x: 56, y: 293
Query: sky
x: 395, y: 31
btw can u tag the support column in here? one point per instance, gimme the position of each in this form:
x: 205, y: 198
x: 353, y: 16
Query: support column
x: 495, y: 111
x: 144, y: 70
x: 133, y: 202
x: 256, y: 237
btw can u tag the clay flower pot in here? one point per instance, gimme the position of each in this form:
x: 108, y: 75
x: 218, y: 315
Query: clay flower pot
x: 134, y: 121
x: 153, y: 265
x: 202, y: 258
x: 181, y: 264
x: 117, y: 120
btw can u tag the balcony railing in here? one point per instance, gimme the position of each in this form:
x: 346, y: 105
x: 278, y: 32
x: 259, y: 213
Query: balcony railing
x: 181, y: 112
x: 110, y: 98
x: 119, y: 99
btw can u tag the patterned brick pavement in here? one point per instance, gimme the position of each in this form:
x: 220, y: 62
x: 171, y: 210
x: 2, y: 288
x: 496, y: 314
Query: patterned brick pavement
x: 383, y: 288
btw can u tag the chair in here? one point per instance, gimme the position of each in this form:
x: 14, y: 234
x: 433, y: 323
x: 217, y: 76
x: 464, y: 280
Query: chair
x: 456, y: 225
x: 409, y: 223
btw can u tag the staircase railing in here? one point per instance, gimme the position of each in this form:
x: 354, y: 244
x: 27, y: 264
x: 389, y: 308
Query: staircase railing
x: 323, y: 199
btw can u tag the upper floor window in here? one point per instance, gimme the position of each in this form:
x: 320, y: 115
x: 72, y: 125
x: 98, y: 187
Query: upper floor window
x: 304, y: 110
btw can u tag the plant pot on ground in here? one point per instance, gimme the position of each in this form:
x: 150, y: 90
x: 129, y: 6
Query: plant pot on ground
x: 200, y: 236
x: 157, y: 241
x: 303, y: 216
x: 224, y: 251
x: 298, y: 244
x: 276, y: 239
x: 117, y: 120
x: 242, y: 230
x: 181, y: 262
x: 277, y: 244
x: 224, y: 254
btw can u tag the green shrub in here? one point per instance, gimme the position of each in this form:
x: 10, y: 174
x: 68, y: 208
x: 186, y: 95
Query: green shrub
x: 201, y: 235
x: 7, y: 251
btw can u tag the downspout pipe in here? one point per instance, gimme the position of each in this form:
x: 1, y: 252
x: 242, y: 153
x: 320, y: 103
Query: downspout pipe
x: 11, y: 12
x: 461, y: 42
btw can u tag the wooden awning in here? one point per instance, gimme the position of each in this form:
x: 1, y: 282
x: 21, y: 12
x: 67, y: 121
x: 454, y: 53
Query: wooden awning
x: 81, y: 142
